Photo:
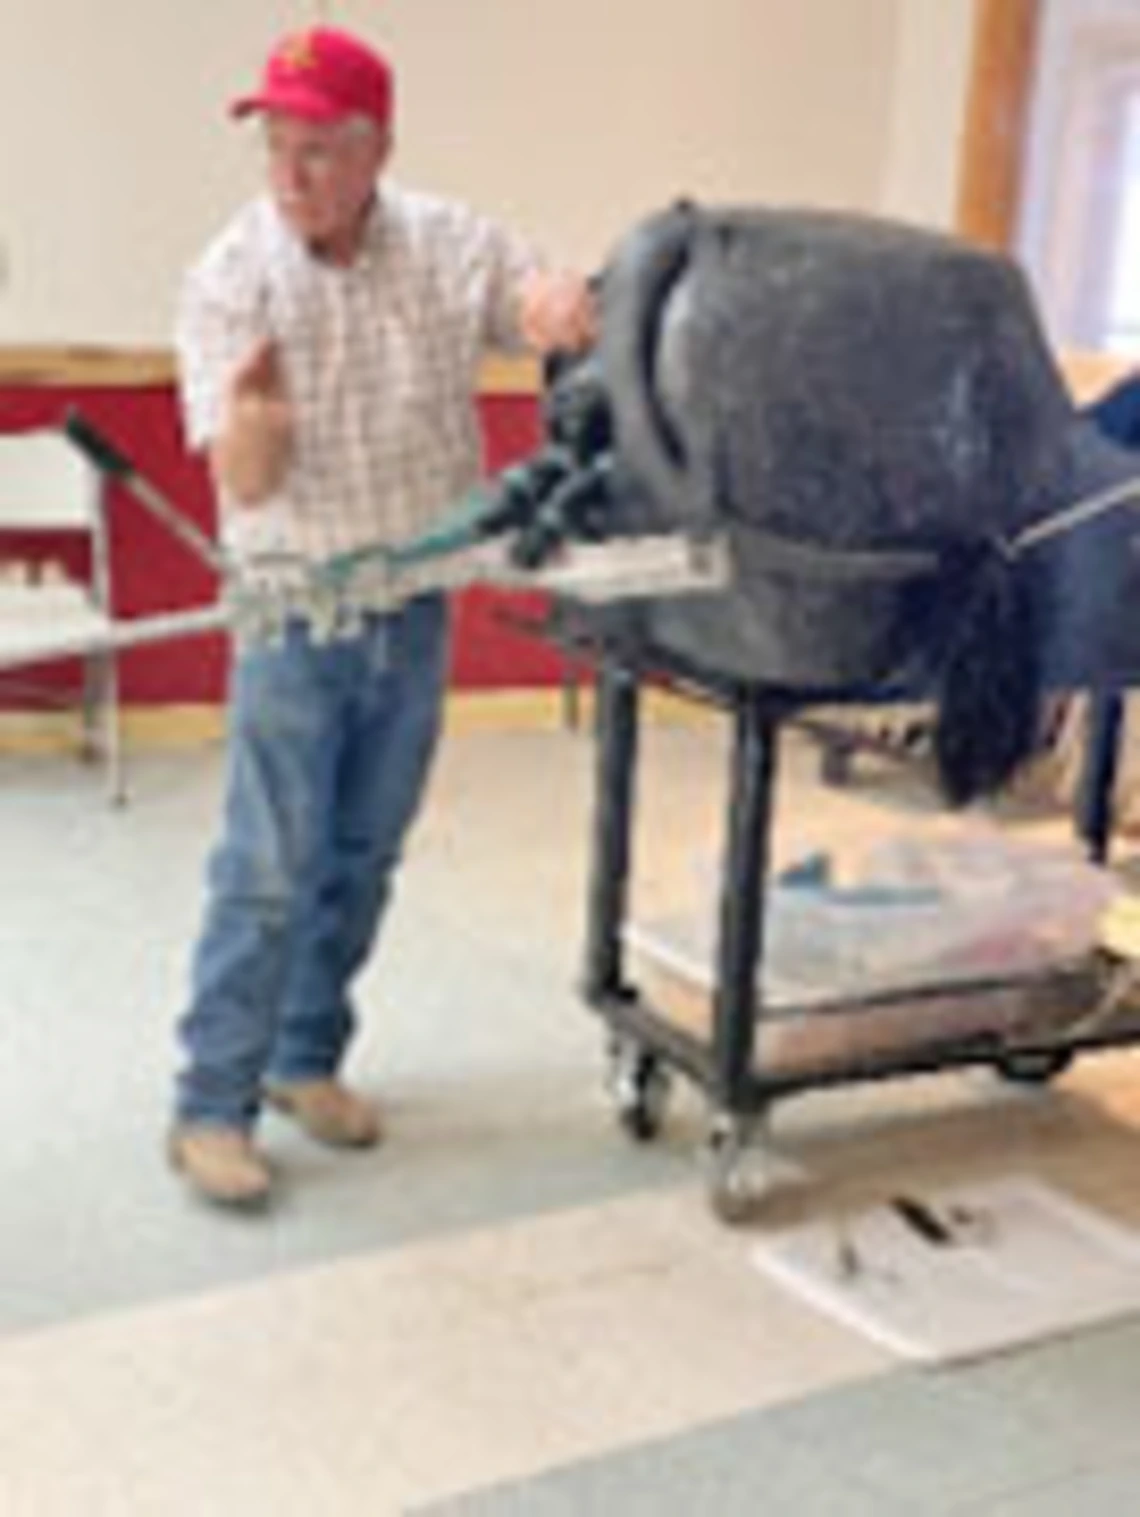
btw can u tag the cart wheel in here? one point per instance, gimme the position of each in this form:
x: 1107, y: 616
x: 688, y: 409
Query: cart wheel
x: 1035, y: 1066
x: 639, y: 1084
x: 836, y: 760
x: 733, y: 1194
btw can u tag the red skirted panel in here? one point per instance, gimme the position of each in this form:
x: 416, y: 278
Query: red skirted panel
x: 153, y: 572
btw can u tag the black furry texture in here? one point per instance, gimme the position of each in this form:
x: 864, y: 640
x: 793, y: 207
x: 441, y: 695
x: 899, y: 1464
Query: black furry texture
x: 828, y: 392
x: 987, y: 683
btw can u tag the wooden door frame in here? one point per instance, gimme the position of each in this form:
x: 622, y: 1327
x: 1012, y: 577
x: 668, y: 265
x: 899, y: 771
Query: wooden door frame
x: 993, y: 144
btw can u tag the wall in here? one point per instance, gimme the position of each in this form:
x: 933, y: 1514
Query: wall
x: 930, y: 89
x: 568, y: 119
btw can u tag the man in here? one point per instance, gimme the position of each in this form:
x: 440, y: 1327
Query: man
x: 328, y: 343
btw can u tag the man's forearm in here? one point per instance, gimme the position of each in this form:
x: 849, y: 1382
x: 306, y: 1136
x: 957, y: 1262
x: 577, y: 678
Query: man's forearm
x: 250, y: 455
x: 249, y: 462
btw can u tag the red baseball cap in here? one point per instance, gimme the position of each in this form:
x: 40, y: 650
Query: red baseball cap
x: 322, y: 74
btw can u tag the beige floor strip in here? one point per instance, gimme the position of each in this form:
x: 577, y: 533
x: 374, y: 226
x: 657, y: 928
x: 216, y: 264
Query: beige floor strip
x: 387, y: 1381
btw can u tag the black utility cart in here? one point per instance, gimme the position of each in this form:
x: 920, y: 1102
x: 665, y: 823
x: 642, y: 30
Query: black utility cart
x: 1040, y: 1022
x: 865, y: 422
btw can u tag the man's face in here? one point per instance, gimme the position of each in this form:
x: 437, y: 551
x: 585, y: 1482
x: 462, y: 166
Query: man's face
x: 322, y: 175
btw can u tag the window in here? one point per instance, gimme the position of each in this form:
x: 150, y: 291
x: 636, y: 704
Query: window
x: 1122, y: 325
x: 1080, y: 221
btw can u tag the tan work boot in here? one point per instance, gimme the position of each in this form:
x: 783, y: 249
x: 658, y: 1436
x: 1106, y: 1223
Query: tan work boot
x: 220, y: 1163
x: 328, y: 1111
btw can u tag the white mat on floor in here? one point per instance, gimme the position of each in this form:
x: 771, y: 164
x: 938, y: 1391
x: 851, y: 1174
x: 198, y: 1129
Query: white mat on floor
x: 957, y: 1273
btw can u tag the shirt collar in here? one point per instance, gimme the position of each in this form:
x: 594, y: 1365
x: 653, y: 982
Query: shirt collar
x: 371, y: 243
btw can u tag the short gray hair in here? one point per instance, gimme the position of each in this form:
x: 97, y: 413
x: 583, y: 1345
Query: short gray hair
x: 360, y: 125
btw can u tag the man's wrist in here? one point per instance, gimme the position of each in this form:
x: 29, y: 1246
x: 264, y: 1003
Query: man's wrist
x: 250, y: 468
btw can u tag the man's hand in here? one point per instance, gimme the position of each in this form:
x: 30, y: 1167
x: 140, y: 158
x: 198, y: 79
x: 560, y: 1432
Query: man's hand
x: 252, y: 454
x: 556, y: 311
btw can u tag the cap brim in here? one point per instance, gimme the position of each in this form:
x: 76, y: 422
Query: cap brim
x: 306, y: 104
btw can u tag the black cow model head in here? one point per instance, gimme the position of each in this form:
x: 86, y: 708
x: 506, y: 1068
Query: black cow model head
x: 869, y: 416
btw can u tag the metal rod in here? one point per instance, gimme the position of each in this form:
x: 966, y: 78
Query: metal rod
x: 113, y: 465
x: 187, y: 532
x: 45, y: 649
x: 614, y: 787
x: 1098, y: 771
x: 743, y: 889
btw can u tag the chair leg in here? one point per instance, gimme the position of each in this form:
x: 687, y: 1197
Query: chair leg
x: 90, y: 738
x: 110, y: 721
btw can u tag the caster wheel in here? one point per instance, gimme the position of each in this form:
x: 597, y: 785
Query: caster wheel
x: 733, y: 1202
x: 734, y: 1193
x: 639, y: 1085
x: 1036, y: 1066
x: 837, y: 759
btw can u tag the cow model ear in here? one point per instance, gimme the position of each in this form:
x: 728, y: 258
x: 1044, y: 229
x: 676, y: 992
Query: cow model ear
x: 640, y: 281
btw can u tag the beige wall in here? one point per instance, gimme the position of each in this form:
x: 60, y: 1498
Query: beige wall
x: 928, y: 103
x: 577, y: 117
x: 569, y: 119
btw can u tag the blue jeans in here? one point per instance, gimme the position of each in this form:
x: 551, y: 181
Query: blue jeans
x: 330, y: 744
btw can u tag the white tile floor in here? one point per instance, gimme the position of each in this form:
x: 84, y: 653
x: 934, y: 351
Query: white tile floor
x: 505, y: 1287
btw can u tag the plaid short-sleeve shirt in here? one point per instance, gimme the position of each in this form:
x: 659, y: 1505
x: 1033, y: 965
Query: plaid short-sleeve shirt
x: 379, y: 360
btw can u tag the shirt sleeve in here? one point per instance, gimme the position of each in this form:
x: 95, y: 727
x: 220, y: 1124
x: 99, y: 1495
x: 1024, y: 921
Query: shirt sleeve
x: 218, y: 320
x: 494, y: 263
